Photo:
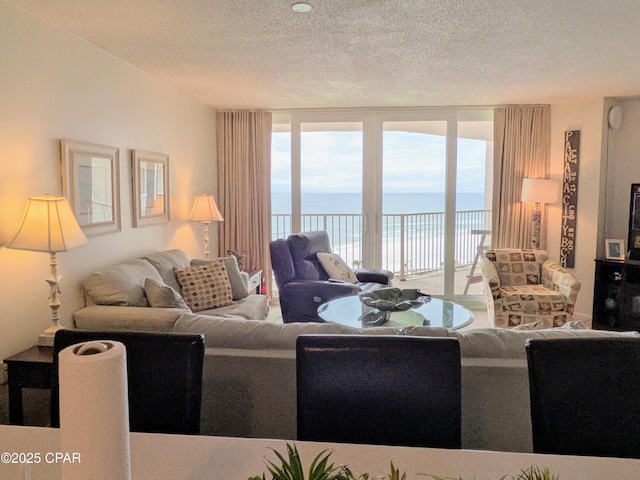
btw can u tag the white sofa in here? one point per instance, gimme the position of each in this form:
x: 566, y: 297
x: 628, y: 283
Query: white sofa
x: 116, y: 297
x: 249, y: 380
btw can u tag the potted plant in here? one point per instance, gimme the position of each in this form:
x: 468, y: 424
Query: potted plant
x: 291, y: 468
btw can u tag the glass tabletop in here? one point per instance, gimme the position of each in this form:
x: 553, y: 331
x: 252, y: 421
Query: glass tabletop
x: 350, y: 311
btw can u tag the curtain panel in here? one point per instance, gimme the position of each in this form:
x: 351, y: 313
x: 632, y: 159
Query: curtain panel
x: 522, y: 142
x: 244, y: 187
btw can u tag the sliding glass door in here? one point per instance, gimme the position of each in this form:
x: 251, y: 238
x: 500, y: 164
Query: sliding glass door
x: 414, y: 161
x: 404, y: 191
x: 331, y: 184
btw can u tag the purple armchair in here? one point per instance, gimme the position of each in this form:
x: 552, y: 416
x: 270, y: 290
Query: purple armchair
x: 302, y: 282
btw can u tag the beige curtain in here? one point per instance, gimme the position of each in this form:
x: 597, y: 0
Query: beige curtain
x: 522, y: 138
x: 244, y: 187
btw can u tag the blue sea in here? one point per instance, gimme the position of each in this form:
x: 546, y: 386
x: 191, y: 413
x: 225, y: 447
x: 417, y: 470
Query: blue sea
x: 422, y: 225
x: 393, y: 203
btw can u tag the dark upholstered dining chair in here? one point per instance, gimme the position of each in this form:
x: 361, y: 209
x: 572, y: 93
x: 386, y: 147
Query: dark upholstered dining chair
x: 585, y: 396
x: 164, y: 378
x: 375, y: 389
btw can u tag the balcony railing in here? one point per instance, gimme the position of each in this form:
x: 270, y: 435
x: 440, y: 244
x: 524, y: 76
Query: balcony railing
x: 412, y: 244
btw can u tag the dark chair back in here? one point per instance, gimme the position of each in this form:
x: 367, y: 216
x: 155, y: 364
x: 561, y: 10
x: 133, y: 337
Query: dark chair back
x: 585, y: 396
x: 385, y: 390
x: 295, y: 258
x: 164, y: 378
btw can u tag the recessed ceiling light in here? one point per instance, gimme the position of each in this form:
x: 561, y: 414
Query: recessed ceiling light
x: 301, y: 7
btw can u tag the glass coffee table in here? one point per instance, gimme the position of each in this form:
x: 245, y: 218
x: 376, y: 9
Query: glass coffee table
x: 349, y: 311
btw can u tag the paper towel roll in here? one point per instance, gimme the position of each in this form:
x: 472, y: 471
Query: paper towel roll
x: 94, y: 411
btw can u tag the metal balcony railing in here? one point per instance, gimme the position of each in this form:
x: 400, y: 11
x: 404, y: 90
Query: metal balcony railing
x: 412, y: 244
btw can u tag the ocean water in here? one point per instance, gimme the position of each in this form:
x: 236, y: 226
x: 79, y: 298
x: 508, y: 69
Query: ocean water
x: 393, y: 203
x: 415, y: 220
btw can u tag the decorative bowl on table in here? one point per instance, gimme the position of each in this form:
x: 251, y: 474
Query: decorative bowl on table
x: 387, y: 300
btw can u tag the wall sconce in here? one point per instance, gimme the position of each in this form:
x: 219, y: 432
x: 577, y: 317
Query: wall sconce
x: 205, y: 211
x: 539, y: 191
x: 48, y: 225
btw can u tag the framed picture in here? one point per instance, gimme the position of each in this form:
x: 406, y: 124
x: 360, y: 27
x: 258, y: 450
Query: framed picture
x: 150, y: 176
x: 614, y: 249
x: 91, y: 183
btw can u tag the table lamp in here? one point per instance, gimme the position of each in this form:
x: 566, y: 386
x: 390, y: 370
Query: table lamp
x: 205, y: 211
x: 539, y: 191
x: 48, y: 225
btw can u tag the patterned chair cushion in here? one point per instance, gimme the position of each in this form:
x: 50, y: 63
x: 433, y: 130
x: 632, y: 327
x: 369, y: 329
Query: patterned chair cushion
x: 518, y: 267
x: 532, y: 299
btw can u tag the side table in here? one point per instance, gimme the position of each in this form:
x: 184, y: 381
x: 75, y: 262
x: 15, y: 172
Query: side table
x: 31, y: 368
x: 255, y: 281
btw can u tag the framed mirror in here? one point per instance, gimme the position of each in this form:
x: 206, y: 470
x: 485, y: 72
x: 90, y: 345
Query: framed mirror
x: 91, y: 183
x: 150, y: 188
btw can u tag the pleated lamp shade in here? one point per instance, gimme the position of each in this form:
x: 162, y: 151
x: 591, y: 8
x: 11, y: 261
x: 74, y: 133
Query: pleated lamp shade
x: 48, y: 225
x: 205, y: 210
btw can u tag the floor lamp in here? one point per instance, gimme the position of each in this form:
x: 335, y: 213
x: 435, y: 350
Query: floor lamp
x: 205, y: 211
x: 539, y: 191
x: 48, y: 225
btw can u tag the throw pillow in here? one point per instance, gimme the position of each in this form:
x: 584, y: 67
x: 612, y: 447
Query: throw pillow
x: 121, y: 284
x: 336, y: 268
x: 161, y: 295
x: 538, y: 324
x: 238, y: 284
x: 205, y: 286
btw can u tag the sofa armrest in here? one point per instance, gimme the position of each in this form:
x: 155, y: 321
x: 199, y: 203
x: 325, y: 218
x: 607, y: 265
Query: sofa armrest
x: 490, y: 274
x: 112, y: 317
x: 558, y: 278
x: 491, y: 281
x: 374, y: 275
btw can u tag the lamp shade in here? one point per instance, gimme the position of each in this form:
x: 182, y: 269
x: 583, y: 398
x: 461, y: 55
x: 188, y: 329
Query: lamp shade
x: 540, y: 190
x: 48, y: 225
x: 205, y: 210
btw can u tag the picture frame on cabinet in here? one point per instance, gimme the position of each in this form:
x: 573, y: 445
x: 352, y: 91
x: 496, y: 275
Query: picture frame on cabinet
x: 150, y: 177
x: 614, y: 249
x: 91, y: 183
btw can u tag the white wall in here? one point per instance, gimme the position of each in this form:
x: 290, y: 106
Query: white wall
x: 623, y: 169
x: 588, y: 118
x: 54, y: 85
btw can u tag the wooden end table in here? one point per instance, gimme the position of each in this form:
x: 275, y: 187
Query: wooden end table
x: 31, y: 368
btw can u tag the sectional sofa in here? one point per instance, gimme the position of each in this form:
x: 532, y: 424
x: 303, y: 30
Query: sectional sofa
x: 130, y: 295
x: 249, y: 384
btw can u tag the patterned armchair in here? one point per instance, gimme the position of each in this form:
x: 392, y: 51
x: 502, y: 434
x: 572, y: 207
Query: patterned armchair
x: 525, y: 288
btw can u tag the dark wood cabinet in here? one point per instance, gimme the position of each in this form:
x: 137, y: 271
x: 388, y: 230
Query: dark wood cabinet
x: 616, y: 296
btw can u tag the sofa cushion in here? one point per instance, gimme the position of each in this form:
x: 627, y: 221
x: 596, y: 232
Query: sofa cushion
x: 236, y: 279
x: 122, y: 284
x: 161, y: 295
x: 254, y: 307
x: 532, y: 299
x: 336, y: 267
x: 205, y: 286
x: 165, y: 262
x: 251, y: 335
x: 504, y: 342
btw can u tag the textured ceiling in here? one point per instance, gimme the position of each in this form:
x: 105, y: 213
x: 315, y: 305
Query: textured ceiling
x: 368, y: 53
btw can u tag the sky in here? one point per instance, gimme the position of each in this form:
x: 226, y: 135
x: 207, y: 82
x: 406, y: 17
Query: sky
x: 412, y: 162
